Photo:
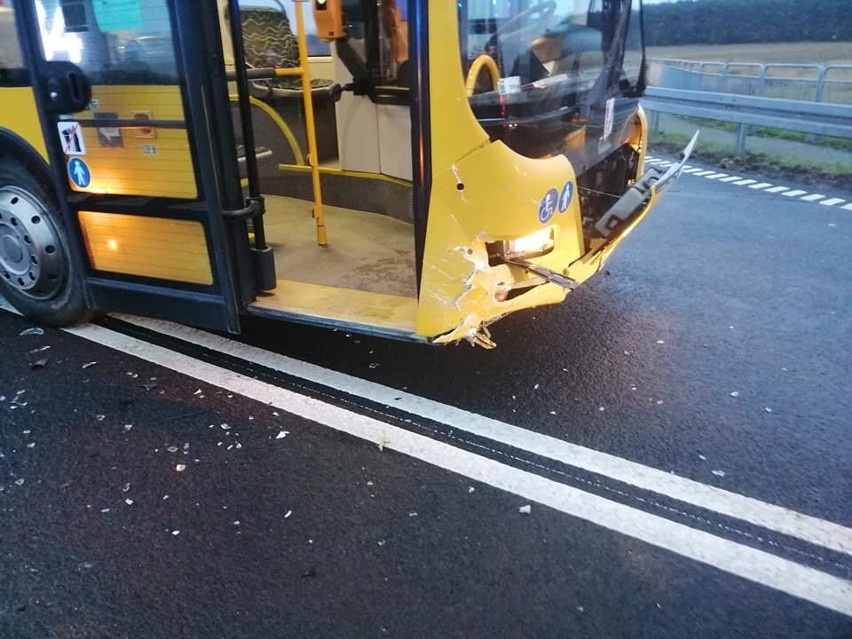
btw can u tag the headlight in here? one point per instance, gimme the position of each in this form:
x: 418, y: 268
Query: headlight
x: 532, y: 245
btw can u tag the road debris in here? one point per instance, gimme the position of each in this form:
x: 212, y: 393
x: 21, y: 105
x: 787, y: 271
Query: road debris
x: 282, y: 434
x: 31, y: 331
x: 39, y: 364
x: 287, y: 514
x: 88, y: 365
x: 129, y: 502
x: 718, y: 473
x: 180, y: 468
x: 525, y: 510
x: 735, y: 393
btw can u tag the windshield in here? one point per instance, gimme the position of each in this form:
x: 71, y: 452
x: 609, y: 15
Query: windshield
x: 538, y: 71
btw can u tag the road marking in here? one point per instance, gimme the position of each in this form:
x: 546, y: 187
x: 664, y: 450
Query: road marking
x: 745, y: 182
x: 760, y: 185
x: 703, y: 173
x: 749, y: 563
x: 812, y: 197
x: 691, y: 170
x: 793, y: 193
x: 848, y: 207
x: 832, y: 202
x: 733, y: 178
x: 782, y: 520
x: 716, y: 176
x: 777, y: 189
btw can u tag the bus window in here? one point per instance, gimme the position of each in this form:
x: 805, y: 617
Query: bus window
x: 11, y: 62
x: 113, y: 41
x: 552, y: 67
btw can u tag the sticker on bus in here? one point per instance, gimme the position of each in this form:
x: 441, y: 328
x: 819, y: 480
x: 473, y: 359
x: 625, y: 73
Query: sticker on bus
x: 71, y: 138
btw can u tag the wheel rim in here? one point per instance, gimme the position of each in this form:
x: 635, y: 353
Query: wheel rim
x: 31, y: 257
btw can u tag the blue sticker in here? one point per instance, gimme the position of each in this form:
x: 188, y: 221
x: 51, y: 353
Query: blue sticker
x: 79, y: 173
x: 548, y: 205
x: 565, y: 197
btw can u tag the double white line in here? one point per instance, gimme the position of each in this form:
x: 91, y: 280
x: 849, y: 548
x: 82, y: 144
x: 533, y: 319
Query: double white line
x: 749, y: 563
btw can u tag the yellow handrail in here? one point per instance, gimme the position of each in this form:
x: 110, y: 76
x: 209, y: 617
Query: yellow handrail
x: 482, y: 60
x: 310, y: 124
x: 282, y: 125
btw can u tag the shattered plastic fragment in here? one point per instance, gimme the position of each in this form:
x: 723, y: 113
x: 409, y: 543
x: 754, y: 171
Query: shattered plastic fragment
x: 100, y: 418
x: 20, y: 482
x: 129, y: 502
x: 661, y: 341
x: 88, y: 365
x: 719, y: 473
x: 287, y: 514
x: 126, y: 487
x: 32, y: 331
x: 127, y: 427
x: 175, y: 532
x: 40, y: 363
x: 735, y: 393
x: 381, y: 542
x: 172, y: 449
x: 39, y: 350
x: 471, y: 489
x: 282, y: 434
x: 525, y: 510
x: 180, y: 468
x: 767, y: 409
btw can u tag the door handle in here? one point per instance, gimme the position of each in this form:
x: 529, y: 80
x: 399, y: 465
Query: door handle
x: 68, y: 88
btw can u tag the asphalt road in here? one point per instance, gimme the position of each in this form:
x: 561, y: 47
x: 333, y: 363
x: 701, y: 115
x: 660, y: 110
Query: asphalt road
x: 140, y: 502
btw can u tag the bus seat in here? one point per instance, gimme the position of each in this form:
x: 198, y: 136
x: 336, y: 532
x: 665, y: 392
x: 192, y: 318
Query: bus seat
x: 270, y: 42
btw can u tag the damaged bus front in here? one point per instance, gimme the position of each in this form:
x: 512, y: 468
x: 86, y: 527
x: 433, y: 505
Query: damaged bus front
x: 536, y: 156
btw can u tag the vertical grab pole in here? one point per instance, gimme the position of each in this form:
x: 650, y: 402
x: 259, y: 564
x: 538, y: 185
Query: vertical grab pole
x: 310, y: 125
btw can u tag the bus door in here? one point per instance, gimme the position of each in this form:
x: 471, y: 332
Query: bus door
x: 136, y: 114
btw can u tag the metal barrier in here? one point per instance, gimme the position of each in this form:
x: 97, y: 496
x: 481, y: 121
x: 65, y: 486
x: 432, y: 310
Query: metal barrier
x: 793, y: 115
x: 807, y: 82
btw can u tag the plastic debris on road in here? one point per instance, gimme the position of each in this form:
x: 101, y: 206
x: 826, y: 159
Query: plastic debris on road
x: 525, y: 510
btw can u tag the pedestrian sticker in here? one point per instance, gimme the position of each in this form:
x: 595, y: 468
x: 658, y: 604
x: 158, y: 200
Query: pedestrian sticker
x: 565, y: 196
x: 71, y: 138
x: 547, y: 207
x: 79, y: 173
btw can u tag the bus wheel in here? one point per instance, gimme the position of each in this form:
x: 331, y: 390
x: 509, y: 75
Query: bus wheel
x: 37, y: 275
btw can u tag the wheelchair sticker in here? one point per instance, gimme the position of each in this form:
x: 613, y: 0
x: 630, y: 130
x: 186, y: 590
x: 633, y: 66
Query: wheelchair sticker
x: 548, y: 204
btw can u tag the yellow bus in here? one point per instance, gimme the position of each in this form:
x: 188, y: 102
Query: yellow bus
x: 416, y: 170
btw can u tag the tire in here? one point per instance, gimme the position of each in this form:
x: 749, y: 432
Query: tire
x: 37, y: 273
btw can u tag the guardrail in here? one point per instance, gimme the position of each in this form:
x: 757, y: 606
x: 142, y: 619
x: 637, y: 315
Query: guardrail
x: 809, y: 82
x: 793, y: 115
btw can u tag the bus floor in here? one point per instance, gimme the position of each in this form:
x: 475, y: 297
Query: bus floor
x: 365, y: 275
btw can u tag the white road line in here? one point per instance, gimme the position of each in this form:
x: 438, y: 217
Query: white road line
x: 832, y: 202
x: 703, y: 173
x: 760, y: 185
x: 731, y: 179
x: 777, y: 189
x: 794, y: 193
x: 757, y: 566
x: 785, y: 521
x: 691, y: 170
x: 848, y: 207
x: 813, y: 197
x: 745, y: 182
x: 716, y: 176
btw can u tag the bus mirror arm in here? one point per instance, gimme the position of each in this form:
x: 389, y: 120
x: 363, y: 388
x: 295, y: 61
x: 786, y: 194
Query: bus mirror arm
x: 637, y: 195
